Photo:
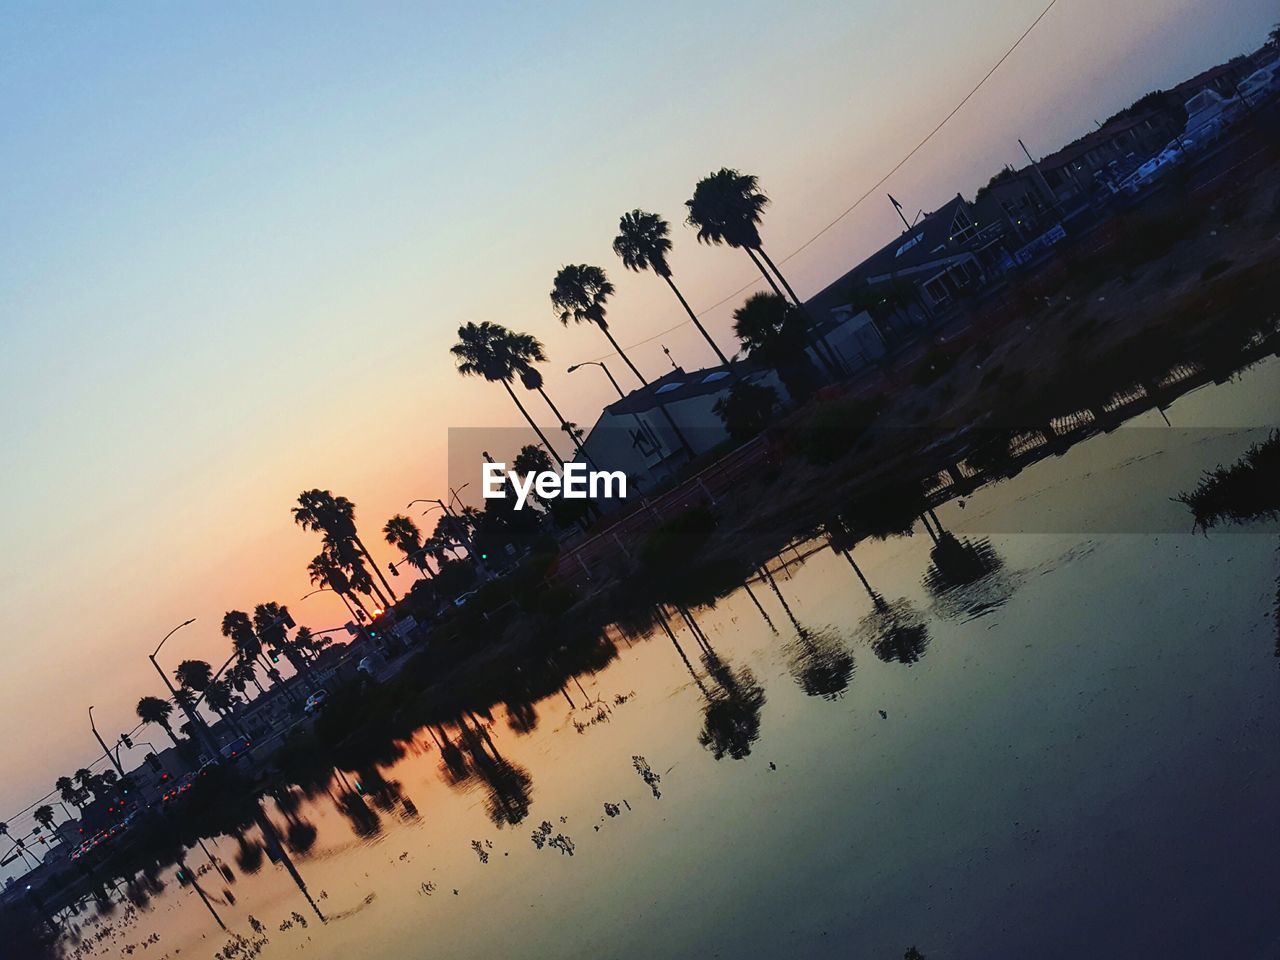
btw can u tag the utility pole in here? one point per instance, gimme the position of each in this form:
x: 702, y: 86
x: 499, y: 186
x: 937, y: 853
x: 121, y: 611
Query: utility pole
x: 102, y: 743
x: 1052, y: 197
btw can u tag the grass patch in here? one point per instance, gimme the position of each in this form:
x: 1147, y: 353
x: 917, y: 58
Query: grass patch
x: 1247, y: 490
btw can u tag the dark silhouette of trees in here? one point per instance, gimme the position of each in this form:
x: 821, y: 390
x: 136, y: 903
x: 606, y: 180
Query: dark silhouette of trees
x: 746, y: 409
x: 578, y: 294
x: 157, y: 711
x: 726, y: 208
x: 643, y: 244
x: 321, y: 511
x: 772, y: 333
x: 491, y: 351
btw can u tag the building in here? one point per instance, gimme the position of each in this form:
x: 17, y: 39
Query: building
x: 653, y: 431
x: 946, y: 256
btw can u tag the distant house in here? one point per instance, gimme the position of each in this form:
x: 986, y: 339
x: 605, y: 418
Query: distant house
x: 946, y: 255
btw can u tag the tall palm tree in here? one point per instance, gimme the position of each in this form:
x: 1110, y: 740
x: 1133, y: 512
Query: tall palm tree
x: 403, y: 534
x: 532, y: 380
x: 194, y: 675
x: 43, y: 815
x: 642, y: 243
x: 157, y: 711
x: 238, y: 628
x: 772, y: 332
x: 67, y: 791
x: 726, y: 207
x: 325, y: 571
x: 336, y: 516
x: 491, y: 351
x: 271, y: 622
x: 579, y: 293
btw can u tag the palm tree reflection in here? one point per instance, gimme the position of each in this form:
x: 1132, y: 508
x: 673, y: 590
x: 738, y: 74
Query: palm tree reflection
x: 819, y: 660
x: 732, y: 700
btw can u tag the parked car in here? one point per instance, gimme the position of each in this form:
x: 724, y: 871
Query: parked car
x: 316, y: 701
x: 1260, y: 84
x: 461, y: 601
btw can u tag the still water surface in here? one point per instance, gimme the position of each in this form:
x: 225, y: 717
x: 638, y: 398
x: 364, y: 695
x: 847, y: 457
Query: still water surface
x: 1073, y: 756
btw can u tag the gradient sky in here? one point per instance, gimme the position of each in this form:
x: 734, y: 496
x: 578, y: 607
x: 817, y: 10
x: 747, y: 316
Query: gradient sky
x: 238, y: 240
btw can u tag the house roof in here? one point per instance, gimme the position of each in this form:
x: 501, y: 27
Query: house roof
x: 928, y: 241
x: 679, y: 385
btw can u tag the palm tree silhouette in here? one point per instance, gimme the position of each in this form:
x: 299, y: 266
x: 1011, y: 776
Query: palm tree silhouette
x: 772, y: 332
x: 726, y: 207
x: 238, y: 628
x: 403, y: 534
x: 43, y: 815
x: 334, y: 516
x: 532, y: 380
x: 578, y: 294
x: 491, y: 351
x: 67, y: 791
x: 157, y: 711
x: 643, y: 244
x: 325, y: 571
x: 194, y: 675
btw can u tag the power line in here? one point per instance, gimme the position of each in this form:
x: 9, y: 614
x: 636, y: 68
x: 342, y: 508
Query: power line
x: 872, y: 189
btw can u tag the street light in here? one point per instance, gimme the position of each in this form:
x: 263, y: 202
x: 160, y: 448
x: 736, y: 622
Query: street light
x: 600, y: 364
x: 197, y: 725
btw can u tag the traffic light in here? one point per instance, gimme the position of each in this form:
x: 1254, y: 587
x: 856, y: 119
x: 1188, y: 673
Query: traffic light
x: 392, y: 568
x: 275, y: 656
x: 184, y: 876
x: 153, y: 762
x: 287, y: 619
x: 126, y: 740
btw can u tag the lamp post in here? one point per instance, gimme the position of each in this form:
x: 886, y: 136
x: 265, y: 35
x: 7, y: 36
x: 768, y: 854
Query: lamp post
x: 600, y: 364
x: 102, y: 743
x: 197, y: 725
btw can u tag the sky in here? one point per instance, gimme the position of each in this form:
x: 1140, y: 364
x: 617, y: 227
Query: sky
x: 238, y: 240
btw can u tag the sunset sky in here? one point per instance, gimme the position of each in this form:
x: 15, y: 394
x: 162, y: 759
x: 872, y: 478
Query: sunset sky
x: 238, y: 240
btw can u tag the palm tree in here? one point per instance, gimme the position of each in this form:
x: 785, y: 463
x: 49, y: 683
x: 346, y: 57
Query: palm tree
x: 726, y: 208
x: 772, y: 331
x: 642, y: 243
x: 68, y: 792
x: 491, y: 351
x: 43, y: 815
x: 271, y: 622
x: 325, y: 571
x: 579, y: 294
x: 194, y: 675
x: 336, y: 517
x: 403, y: 534
x: 238, y: 628
x: 157, y: 711
x: 532, y: 380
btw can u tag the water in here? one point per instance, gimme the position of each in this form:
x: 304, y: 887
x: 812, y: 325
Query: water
x: 1071, y: 756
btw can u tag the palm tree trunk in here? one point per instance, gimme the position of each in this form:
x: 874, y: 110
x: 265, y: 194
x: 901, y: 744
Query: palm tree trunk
x: 376, y: 568
x: 536, y: 429
x: 347, y: 598
x: 827, y: 361
x: 781, y: 278
x: 765, y: 273
x: 694, y: 317
x: 564, y: 425
x: 618, y: 350
x: 172, y: 736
